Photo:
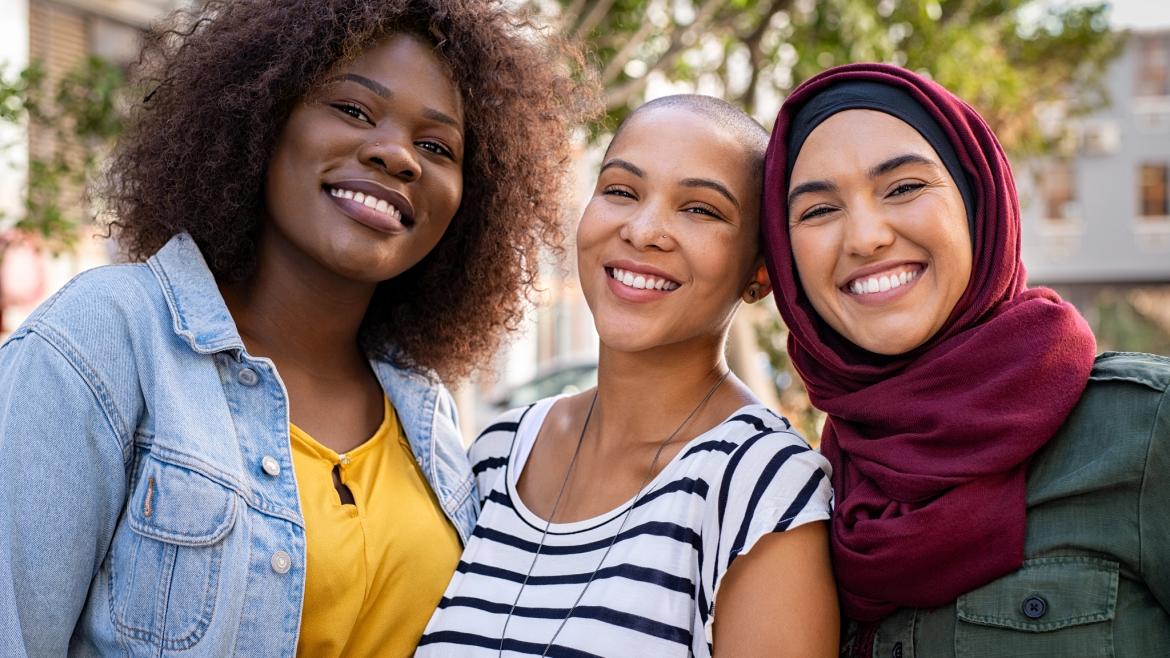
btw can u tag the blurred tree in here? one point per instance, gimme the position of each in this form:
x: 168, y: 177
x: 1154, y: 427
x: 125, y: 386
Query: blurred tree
x: 1026, y: 66
x: 76, y: 118
x: 1015, y: 61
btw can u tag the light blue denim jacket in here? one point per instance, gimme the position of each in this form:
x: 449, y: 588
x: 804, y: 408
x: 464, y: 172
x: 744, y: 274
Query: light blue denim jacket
x: 136, y: 515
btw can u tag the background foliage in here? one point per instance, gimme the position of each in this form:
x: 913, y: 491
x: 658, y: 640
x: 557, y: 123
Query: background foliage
x: 78, y: 118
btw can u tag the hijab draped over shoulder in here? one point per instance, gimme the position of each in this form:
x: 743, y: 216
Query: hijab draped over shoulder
x: 930, y: 448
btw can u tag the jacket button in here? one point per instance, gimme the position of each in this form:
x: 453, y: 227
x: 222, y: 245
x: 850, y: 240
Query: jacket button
x: 281, y: 562
x: 1035, y: 607
x: 897, y: 652
x: 248, y: 377
x: 270, y: 466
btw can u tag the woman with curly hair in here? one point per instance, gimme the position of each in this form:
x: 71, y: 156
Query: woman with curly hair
x: 239, y: 444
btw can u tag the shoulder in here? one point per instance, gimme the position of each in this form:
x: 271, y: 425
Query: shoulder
x: 115, y: 299
x: 490, y: 450
x: 755, y: 460
x: 1121, y: 420
x: 1149, y: 370
x: 753, y: 434
x: 1124, y: 398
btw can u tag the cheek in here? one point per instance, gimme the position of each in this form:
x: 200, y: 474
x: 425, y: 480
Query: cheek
x: 816, y: 258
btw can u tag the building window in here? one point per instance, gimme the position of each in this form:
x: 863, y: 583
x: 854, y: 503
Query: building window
x: 1154, y: 181
x: 1153, y: 66
x: 1057, y: 191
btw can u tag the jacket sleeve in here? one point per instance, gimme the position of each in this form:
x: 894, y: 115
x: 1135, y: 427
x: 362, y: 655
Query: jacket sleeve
x: 62, y: 488
x: 1153, y: 506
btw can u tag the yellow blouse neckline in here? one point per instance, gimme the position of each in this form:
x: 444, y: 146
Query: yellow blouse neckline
x: 389, y: 427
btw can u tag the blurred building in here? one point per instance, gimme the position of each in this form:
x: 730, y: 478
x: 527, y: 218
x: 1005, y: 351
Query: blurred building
x: 1101, y: 218
x: 59, y: 35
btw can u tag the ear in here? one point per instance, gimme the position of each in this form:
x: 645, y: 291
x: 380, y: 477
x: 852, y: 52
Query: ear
x: 759, y: 286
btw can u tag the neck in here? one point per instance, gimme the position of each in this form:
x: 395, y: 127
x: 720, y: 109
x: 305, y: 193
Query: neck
x: 295, y: 311
x: 641, y: 393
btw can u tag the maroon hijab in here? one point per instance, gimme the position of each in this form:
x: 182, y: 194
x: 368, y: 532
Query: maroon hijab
x: 930, y: 448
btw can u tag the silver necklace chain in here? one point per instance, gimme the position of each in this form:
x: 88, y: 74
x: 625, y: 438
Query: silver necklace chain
x: 626, y: 517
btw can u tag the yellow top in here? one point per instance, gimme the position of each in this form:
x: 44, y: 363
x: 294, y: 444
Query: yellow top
x: 376, y: 569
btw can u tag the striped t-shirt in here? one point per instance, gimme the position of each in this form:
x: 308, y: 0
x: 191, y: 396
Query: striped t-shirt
x: 655, y: 593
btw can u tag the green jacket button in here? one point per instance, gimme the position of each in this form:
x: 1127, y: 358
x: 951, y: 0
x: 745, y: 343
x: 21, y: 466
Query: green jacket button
x: 1035, y: 607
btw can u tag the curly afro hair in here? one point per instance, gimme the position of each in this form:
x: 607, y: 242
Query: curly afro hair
x: 225, y: 77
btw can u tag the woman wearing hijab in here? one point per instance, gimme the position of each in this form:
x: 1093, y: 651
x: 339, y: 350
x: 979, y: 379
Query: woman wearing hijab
x: 998, y: 490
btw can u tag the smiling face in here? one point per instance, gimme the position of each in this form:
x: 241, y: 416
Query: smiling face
x: 878, y: 230
x: 668, y: 244
x: 368, y: 173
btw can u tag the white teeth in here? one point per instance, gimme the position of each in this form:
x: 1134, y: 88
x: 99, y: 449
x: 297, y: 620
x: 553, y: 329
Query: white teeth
x: 642, y: 282
x: 380, y: 205
x: 881, y: 284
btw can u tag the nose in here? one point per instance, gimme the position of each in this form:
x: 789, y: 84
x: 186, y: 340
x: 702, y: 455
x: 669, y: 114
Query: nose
x: 391, y: 153
x: 867, y: 231
x: 647, y: 227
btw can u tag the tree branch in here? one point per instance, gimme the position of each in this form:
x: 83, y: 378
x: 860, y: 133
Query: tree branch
x: 622, y: 94
x: 614, y: 67
x: 756, y: 55
x: 593, y: 18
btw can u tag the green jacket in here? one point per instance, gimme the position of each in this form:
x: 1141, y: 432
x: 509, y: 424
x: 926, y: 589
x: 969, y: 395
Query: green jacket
x: 1096, y: 573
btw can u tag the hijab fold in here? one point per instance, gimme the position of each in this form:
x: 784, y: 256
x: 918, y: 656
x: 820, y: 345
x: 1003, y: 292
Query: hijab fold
x: 930, y: 448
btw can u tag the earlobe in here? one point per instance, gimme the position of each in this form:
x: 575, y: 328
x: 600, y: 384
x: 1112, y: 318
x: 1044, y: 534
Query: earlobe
x: 759, y: 287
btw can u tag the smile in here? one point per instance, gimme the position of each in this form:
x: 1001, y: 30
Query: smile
x: 883, y: 281
x: 640, y: 281
x: 369, y: 201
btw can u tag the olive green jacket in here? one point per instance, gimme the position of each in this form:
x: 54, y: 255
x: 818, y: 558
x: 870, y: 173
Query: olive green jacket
x: 1096, y: 573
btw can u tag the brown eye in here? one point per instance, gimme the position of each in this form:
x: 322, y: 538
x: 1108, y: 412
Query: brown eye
x: 353, y: 111
x: 906, y: 188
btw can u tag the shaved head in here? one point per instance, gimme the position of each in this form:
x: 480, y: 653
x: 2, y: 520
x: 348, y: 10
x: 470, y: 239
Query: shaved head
x: 745, y: 130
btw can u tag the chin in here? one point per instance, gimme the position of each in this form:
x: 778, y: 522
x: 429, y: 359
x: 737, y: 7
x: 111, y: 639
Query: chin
x: 888, y: 343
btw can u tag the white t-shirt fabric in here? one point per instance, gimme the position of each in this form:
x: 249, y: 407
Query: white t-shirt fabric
x: 655, y: 594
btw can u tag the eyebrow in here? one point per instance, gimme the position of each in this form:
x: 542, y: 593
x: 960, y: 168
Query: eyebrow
x: 875, y: 171
x: 622, y: 164
x: 383, y: 91
x: 811, y: 188
x: 713, y: 185
x: 899, y: 161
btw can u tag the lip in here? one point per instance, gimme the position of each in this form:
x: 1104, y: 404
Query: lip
x: 368, y: 216
x: 880, y: 298
x: 634, y: 295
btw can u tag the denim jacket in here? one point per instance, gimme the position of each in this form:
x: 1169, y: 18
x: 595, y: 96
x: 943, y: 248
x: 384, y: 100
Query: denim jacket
x: 140, y: 514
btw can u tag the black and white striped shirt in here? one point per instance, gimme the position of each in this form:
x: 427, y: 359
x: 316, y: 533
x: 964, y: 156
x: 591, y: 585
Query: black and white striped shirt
x: 654, y: 596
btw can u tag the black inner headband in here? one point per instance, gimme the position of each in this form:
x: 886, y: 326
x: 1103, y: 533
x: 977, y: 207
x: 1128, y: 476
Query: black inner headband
x: 867, y: 95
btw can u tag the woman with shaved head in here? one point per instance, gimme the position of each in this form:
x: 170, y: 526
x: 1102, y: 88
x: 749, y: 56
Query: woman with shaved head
x: 666, y: 512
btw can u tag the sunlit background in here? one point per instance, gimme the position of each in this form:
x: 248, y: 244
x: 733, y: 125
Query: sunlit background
x: 1078, y: 93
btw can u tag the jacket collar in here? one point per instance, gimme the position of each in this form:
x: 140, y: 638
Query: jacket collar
x: 200, y: 315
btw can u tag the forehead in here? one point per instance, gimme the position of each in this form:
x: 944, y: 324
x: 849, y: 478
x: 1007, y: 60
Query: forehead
x: 676, y: 143
x: 853, y: 141
x: 406, y: 63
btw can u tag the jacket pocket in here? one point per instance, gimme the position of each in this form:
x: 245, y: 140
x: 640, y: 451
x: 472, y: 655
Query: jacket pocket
x: 1051, y: 606
x: 165, y: 559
